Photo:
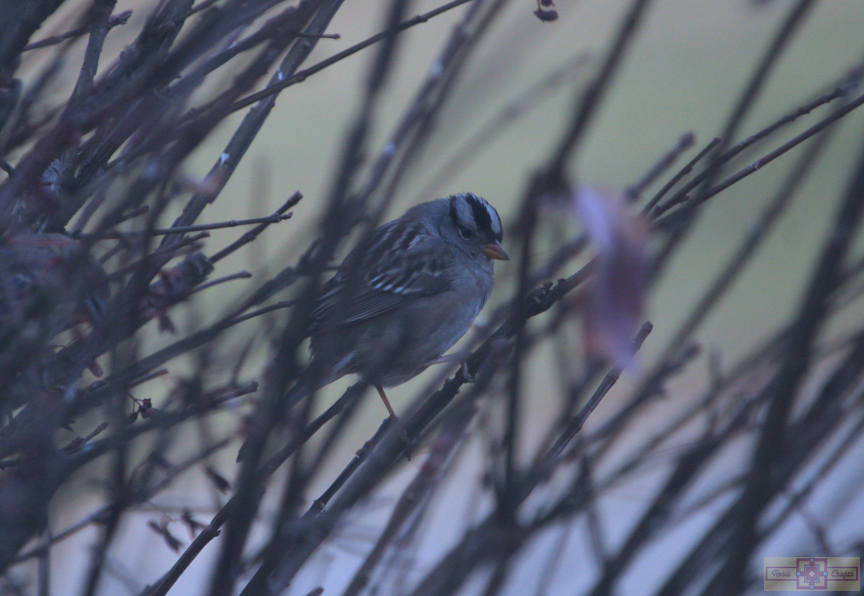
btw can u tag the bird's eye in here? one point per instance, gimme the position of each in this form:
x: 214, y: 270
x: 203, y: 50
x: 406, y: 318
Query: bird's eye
x: 465, y: 233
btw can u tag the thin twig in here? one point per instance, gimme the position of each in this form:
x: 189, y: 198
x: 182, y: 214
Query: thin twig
x: 270, y: 219
x: 120, y: 18
x: 255, y: 232
x: 221, y: 280
x: 635, y: 191
x: 677, y: 177
x: 302, y: 75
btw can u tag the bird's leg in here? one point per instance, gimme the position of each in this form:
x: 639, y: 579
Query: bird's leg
x: 461, y: 357
x: 386, y: 402
x: 403, y: 431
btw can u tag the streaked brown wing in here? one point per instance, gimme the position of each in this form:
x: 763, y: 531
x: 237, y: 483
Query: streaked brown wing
x: 401, y: 265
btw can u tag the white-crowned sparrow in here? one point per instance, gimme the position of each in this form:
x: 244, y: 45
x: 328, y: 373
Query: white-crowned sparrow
x: 401, y: 300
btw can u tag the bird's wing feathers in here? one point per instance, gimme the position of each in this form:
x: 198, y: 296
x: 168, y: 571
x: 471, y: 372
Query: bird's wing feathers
x: 418, y: 267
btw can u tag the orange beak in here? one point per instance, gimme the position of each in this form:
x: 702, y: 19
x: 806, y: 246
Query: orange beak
x: 494, y: 250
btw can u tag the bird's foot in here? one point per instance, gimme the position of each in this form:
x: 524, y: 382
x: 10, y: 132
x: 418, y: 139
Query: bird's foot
x: 462, y: 358
x: 403, y: 433
x: 396, y: 421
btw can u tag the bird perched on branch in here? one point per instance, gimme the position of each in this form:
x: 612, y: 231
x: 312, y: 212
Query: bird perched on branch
x: 402, y: 299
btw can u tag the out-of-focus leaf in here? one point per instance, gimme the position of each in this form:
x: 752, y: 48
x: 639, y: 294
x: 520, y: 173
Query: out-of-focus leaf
x: 616, y: 293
